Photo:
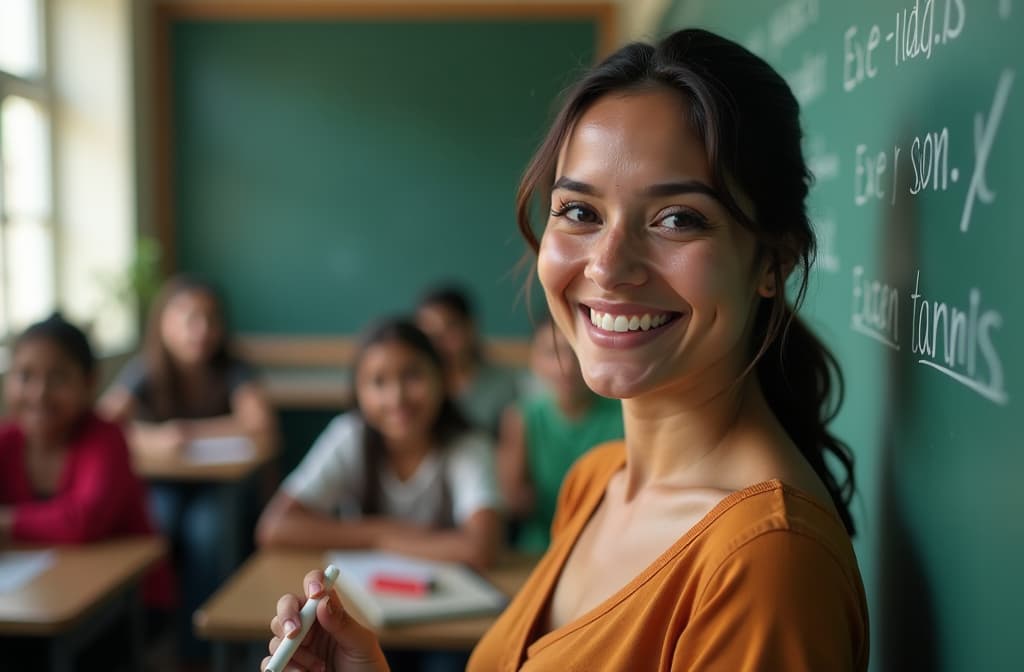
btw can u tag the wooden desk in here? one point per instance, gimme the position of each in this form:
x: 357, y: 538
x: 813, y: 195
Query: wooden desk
x: 79, y: 595
x: 241, y: 610
x: 179, y: 469
x: 229, y: 479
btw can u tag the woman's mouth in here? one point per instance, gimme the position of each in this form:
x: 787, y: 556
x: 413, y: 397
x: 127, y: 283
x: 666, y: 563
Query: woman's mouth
x: 622, y: 322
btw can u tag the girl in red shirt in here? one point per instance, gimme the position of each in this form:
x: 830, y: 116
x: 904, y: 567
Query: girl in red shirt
x: 66, y: 475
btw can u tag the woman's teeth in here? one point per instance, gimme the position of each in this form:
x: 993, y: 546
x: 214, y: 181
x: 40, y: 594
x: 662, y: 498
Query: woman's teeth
x: 624, y: 323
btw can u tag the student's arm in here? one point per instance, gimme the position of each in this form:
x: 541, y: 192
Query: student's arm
x: 513, y: 472
x: 251, y: 415
x: 474, y: 543
x: 469, y: 473
x: 89, y: 508
x: 287, y: 522
x: 150, y: 439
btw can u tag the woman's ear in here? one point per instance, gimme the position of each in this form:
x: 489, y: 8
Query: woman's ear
x: 774, y: 270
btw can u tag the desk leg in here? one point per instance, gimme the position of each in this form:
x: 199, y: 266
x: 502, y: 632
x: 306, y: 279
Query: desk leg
x: 232, y: 506
x: 62, y: 655
x: 136, y: 625
x: 221, y: 654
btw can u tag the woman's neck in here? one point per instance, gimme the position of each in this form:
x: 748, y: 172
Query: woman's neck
x: 684, y: 436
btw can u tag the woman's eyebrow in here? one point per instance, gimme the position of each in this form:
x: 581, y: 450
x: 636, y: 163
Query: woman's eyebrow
x: 685, y: 187
x: 654, y: 191
x: 575, y: 185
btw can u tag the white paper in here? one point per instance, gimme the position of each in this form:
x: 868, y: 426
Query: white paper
x: 17, y: 568
x: 220, y: 450
x: 458, y: 591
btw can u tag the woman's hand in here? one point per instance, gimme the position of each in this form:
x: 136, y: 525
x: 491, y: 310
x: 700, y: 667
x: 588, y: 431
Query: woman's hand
x: 335, y: 643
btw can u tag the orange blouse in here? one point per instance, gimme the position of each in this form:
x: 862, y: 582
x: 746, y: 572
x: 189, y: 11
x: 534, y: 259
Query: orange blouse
x: 767, y: 580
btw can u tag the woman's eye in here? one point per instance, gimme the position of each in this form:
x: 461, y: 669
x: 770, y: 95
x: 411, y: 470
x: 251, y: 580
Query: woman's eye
x: 684, y: 220
x: 580, y: 214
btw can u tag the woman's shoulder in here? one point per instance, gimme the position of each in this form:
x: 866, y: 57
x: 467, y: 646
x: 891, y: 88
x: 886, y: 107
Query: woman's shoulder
x: 774, y: 518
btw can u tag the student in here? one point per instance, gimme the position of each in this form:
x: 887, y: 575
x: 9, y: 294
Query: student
x: 66, y: 475
x: 481, y: 389
x: 186, y: 385
x: 715, y: 537
x: 401, y: 473
x: 543, y: 435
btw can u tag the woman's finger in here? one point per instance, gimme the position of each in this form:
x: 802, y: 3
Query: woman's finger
x: 313, y: 583
x: 286, y: 622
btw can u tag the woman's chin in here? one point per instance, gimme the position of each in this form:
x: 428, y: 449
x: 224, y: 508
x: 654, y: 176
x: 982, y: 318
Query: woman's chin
x: 618, y: 383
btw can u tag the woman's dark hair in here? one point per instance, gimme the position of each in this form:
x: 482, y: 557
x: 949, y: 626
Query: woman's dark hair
x: 449, y: 422
x: 64, y: 335
x: 749, y: 122
x: 164, y: 382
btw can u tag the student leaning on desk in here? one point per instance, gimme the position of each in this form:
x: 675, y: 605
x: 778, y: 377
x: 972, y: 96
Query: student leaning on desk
x: 187, y: 385
x: 66, y: 475
x: 404, y: 472
x: 714, y: 537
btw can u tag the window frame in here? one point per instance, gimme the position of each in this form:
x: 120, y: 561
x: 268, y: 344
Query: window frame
x: 40, y: 90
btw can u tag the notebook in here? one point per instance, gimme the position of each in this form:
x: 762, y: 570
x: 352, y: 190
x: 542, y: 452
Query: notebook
x: 456, y: 591
x: 219, y: 450
x: 18, y: 568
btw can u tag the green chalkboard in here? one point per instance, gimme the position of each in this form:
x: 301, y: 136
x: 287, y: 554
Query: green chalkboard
x: 914, y: 128
x: 327, y: 172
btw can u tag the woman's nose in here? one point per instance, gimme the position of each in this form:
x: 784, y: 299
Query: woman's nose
x: 616, y: 257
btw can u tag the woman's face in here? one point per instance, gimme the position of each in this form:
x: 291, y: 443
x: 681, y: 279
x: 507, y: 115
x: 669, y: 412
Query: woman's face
x: 400, y: 391
x: 46, y: 390
x: 645, y: 272
x: 191, y: 327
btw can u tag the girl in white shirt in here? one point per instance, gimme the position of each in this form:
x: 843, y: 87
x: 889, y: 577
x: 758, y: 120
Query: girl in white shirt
x: 403, y: 472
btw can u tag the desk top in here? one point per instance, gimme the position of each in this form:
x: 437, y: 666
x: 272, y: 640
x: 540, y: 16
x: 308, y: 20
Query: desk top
x: 241, y: 610
x: 180, y: 469
x: 80, y: 579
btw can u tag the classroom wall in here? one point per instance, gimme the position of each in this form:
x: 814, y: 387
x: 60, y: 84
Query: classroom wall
x: 913, y: 117
x: 320, y: 180
x: 636, y: 20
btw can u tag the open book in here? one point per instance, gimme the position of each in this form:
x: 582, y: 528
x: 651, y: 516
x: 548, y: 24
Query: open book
x: 456, y: 591
x: 219, y: 450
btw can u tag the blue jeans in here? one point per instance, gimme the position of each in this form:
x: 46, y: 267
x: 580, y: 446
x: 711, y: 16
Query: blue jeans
x: 193, y: 518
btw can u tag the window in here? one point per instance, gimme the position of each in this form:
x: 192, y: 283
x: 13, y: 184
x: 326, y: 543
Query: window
x: 27, y: 269
x: 67, y: 225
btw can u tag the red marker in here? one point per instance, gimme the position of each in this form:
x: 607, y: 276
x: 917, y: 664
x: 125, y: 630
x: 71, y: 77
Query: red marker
x: 409, y: 585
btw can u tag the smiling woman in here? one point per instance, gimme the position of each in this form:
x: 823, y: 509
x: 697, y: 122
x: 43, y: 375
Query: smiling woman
x: 714, y: 537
